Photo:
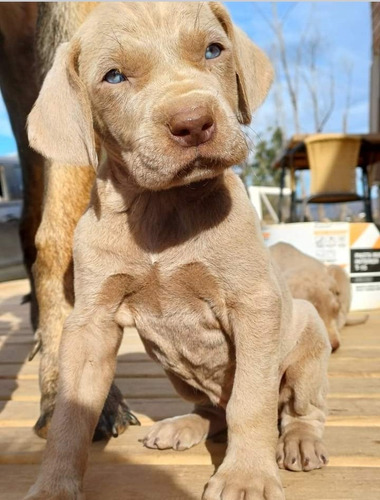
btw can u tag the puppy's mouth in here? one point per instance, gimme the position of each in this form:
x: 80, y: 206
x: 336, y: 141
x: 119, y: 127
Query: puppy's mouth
x: 158, y: 164
x: 200, y: 167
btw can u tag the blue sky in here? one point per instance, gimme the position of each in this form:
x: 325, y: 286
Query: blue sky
x: 345, y: 30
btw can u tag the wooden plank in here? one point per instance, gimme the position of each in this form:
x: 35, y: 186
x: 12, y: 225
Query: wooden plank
x: 15, y: 353
x: 348, y: 446
x: 342, y: 412
x: 144, y: 367
x: 130, y: 350
x: 27, y: 390
x: 360, y: 367
x: 9, y: 287
x: 353, y: 421
x: 16, y: 413
x: 135, y: 369
x: 138, y: 364
x: 13, y: 325
x: 25, y: 414
x: 20, y: 371
x: 366, y: 407
x: 354, y: 387
x: 11, y: 339
x: 362, y: 335
x: 176, y: 482
x: 357, y: 352
x: 358, y: 411
x: 24, y: 332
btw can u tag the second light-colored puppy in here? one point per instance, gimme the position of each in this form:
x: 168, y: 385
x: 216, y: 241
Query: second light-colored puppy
x: 171, y: 244
x: 326, y: 287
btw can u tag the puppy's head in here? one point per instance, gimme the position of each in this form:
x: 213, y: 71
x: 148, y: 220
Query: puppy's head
x: 163, y: 86
x: 342, y: 290
x: 320, y: 290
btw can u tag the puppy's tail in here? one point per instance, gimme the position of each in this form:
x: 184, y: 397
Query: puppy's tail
x: 357, y: 320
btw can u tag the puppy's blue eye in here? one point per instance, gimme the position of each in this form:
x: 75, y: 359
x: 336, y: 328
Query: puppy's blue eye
x: 114, y: 76
x: 214, y: 50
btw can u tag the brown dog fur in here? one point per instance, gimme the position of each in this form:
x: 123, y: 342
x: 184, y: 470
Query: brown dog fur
x: 17, y: 36
x: 55, y: 195
x: 326, y: 287
x: 171, y: 244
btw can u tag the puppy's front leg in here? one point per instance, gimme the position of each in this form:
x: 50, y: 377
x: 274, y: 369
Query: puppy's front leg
x: 88, y: 351
x: 249, y: 469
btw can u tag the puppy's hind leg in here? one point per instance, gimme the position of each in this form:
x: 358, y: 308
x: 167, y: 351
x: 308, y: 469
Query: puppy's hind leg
x: 303, y: 393
x: 185, y: 431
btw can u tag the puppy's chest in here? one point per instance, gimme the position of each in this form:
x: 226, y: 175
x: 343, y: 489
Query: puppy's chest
x: 181, y: 318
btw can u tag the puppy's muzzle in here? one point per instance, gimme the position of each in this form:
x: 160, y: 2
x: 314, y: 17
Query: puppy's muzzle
x: 191, y: 126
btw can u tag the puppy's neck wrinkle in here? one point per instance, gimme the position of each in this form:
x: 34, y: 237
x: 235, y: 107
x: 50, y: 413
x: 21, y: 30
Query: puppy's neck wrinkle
x: 164, y: 219
x: 159, y: 220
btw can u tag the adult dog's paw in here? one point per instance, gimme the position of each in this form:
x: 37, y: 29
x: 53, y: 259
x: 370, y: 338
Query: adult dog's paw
x: 41, y: 427
x: 301, y: 451
x: 234, y: 483
x: 179, y: 433
x: 115, y: 417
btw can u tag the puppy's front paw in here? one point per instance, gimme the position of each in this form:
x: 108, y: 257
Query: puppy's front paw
x: 235, y: 483
x: 179, y: 433
x: 301, y: 451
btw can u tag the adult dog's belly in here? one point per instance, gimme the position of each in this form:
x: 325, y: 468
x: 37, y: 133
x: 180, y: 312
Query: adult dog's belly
x: 179, y: 324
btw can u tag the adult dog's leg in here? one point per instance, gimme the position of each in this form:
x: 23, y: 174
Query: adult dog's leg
x: 303, y: 394
x: 66, y: 196
x: 17, y: 31
x: 186, y: 431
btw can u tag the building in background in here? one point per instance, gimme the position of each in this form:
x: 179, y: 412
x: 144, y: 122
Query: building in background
x: 375, y: 70
x: 11, y: 261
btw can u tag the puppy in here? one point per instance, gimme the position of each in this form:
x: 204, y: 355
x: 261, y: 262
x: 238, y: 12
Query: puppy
x: 171, y: 244
x: 343, y: 292
x: 326, y: 287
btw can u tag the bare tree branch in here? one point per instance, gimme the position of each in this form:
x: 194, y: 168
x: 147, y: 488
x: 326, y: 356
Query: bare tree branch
x: 311, y: 78
x: 293, y: 95
x: 348, y: 67
x: 331, y: 105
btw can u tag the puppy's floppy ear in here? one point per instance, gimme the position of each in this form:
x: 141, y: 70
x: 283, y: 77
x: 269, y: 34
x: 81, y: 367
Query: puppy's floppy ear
x: 254, y: 72
x: 60, y: 124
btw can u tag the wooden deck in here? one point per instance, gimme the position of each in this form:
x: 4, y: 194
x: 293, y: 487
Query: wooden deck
x: 123, y: 469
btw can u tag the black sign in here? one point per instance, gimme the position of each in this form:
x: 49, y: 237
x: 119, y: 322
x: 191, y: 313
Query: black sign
x: 365, y: 260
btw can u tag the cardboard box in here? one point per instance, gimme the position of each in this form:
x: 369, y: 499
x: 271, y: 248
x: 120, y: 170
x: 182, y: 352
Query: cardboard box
x: 354, y: 246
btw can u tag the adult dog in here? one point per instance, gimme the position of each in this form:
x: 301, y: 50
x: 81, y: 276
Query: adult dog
x: 171, y: 244
x: 55, y: 196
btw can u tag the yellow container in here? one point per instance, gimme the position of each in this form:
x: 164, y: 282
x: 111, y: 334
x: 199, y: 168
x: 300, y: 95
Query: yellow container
x: 333, y: 159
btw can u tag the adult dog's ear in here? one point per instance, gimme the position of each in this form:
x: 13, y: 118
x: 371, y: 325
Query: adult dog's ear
x: 60, y: 124
x: 254, y: 72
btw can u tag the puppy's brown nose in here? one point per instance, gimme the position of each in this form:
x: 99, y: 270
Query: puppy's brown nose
x: 192, y: 127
